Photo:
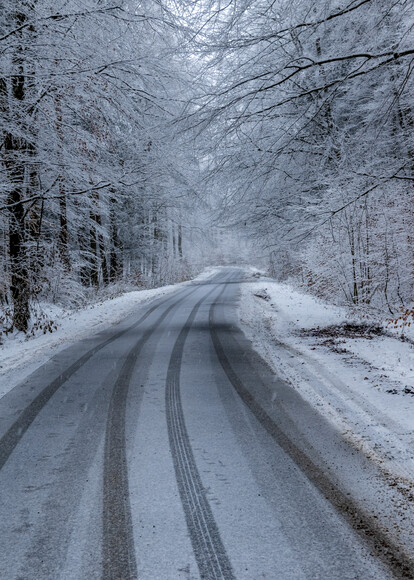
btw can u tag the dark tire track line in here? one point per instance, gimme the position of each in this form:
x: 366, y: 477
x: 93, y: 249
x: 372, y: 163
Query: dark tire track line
x: 392, y: 555
x: 209, y: 551
x: 16, y: 431
x: 119, y: 562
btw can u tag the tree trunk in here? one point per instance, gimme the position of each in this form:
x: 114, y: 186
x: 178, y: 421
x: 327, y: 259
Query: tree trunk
x: 63, y: 238
x: 93, y: 252
x: 15, y: 148
x: 180, y: 241
x: 63, y: 229
x: 115, y: 258
x: 17, y: 248
x: 98, y: 245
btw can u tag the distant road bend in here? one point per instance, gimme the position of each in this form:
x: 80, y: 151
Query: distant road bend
x: 166, y: 449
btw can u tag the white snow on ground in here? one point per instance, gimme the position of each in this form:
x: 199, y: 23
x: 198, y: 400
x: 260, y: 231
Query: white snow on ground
x: 20, y: 356
x: 364, y: 386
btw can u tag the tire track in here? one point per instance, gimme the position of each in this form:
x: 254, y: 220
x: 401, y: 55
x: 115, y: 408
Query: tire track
x: 119, y: 562
x: 16, y: 431
x: 209, y: 551
x: 396, y: 559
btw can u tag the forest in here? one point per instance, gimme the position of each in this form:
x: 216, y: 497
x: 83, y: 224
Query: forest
x: 142, y: 141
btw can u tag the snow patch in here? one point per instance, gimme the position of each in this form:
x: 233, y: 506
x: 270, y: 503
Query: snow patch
x: 361, y: 381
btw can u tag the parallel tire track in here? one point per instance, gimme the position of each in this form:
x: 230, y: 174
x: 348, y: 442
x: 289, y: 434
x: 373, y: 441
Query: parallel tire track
x: 210, y: 554
x: 16, y: 431
x: 400, y: 563
x: 119, y: 562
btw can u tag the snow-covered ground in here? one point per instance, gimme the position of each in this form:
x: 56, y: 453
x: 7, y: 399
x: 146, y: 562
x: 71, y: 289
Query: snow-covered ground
x: 21, y: 355
x: 364, y: 385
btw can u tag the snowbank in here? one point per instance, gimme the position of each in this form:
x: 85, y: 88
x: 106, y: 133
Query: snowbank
x: 363, y: 384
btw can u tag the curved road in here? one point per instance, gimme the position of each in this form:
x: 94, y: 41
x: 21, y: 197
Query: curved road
x: 162, y: 450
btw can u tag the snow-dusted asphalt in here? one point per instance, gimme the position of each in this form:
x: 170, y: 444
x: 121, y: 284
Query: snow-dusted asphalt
x: 163, y: 449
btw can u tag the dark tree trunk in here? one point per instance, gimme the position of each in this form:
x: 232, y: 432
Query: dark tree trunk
x: 15, y: 149
x: 180, y: 241
x: 17, y: 243
x: 84, y: 244
x: 93, y: 253
x: 63, y: 239
x: 115, y: 257
x: 155, y: 237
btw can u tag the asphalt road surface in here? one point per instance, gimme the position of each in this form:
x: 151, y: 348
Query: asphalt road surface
x: 163, y: 449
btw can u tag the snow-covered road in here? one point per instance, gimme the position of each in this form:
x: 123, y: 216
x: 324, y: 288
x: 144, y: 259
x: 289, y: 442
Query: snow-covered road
x: 166, y: 448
